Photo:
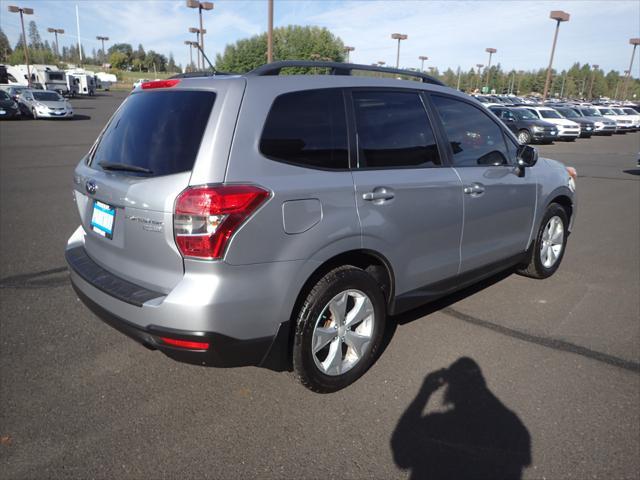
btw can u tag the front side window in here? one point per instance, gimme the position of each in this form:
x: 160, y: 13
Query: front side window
x: 308, y: 129
x: 393, y: 130
x: 475, y: 139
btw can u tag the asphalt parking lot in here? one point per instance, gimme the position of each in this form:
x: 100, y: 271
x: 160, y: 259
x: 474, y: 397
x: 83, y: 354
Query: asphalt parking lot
x: 78, y: 399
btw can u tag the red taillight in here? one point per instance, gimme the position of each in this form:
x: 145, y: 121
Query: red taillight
x: 207, y: 217
x: 160, y: 84
x: 188, y: 344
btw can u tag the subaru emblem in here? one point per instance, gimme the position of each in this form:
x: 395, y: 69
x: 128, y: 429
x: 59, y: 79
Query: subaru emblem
x: 91, y: 187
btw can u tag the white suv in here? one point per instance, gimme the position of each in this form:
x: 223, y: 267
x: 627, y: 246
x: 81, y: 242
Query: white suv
x: 567, y: 129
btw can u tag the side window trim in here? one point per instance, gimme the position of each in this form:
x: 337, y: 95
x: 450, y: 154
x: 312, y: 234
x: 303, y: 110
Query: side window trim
x: 353, y: 138
x: 505, y: 135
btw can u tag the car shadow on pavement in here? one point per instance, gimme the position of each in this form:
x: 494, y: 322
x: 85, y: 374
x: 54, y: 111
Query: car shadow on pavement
x: 475, y: 437
x: 633, y: 171
x: 80, y: 117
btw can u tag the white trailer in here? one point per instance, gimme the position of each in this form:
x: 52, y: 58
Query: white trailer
x: 85, y: 81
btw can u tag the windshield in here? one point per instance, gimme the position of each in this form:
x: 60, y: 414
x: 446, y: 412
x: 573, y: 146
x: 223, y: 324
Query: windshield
x: 606, y: 111
x: 47, y: 96
x: 524, y: 115
x: 591, y: 112
x: 619, y: 111
x: 550, y: 114
x: 567, y: 112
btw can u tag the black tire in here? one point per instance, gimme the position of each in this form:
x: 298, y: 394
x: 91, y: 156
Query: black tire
x: 524, y: 137
x: 535, y: 267
x: 332, y: 284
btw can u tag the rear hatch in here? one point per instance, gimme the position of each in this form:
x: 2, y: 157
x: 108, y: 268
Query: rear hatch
x: 126, y: 187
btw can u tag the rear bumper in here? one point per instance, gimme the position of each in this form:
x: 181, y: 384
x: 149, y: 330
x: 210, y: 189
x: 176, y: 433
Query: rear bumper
x: 236, y: 319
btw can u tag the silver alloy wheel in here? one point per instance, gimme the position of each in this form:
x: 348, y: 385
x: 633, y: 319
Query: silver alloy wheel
x: 552, y: 242
x: 343, y: 332
x: 523, y: 137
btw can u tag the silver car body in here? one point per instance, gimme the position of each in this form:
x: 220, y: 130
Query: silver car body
x: 46, y: 104
x: 431, y: 239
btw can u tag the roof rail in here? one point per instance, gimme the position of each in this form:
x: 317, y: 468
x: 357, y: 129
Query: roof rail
x: 337, y: 68
x: 200, y: 73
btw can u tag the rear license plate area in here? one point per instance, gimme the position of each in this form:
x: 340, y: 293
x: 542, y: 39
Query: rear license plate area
x: 103, y: 219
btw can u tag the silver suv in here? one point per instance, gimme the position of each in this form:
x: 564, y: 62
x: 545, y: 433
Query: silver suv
x: 279, y: 220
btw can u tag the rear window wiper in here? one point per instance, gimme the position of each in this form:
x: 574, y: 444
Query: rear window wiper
x: 123, y: 167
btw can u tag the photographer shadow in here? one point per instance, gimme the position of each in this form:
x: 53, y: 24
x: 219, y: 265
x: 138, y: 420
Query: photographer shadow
x: 477, y: 437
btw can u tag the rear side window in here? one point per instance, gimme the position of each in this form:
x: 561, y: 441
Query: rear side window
x: 393, y: 130
x: 474, y: 137
x: 159, y: 131
x: 307, y: 129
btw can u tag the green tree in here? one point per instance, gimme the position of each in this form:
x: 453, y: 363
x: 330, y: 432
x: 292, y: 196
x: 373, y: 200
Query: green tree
x: 118, y: 60
x: 34, y: 36
x: 289, y: 43
x: 5, y: 47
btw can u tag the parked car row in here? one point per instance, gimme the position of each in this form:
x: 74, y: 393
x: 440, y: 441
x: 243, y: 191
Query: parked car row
x: 17, y: 102
x: 545, y: 123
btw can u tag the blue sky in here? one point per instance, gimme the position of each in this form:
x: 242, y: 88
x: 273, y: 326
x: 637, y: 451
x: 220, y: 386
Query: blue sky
x: 450, y: 33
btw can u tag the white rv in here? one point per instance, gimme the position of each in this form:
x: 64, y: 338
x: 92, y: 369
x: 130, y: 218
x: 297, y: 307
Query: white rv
x: 106, y: 80
x: 51, y: 78
x: 85, y: 81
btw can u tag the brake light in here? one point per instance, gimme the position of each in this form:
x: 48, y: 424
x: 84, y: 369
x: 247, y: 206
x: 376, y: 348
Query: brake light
x: 160, y: 84
x: 187, y: 344
x: 206, y: 217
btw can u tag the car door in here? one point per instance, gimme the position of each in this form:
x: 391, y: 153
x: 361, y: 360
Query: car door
x: 409, y: 202
x: 499, y: 197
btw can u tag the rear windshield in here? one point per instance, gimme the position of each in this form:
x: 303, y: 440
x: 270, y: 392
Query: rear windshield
x: 158, y: 131
x: 47, y: 96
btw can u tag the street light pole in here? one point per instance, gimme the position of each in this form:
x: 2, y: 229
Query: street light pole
x: 55, y: 32
x: 593, y: 75
x: 25, y: 11
x: 479, y: 65
x: 200, y: 6
x: 399, y: 37
x: 422, y: 58
x: 459, y: 73
x: 348, y: 50
x: 635, y: 42
x: 559, y: 16
x: 490, y: 51
x: 270, y: 33
x: 190, y: 43
x: 199, y: 34
x: 104, y: 54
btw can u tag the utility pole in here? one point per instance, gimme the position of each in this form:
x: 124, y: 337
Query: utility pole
x: 635, y: 42
x: 559, y: 16
x: 270, y: 33
x: 422, y: 58
x: 593, y: 76
x: 479, y: 65
x: 56, y: 31
x: 104, y: 53
x: 24, y: 11
x: 399, y: 37
x: 200, y: 6
x: 78, y: 27
x: 490, y: 51
x: 459, y: 73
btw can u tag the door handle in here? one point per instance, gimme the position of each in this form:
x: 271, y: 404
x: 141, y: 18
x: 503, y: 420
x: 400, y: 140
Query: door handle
x: 474, y: 189
x: 378, y: 195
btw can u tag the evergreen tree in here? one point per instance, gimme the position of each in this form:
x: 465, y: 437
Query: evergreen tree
x: 34, y: 36
x: 5, y: 47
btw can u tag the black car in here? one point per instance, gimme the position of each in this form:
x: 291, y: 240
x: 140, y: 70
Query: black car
x: 8, y: 108
x: 525, y: 125
x: 587, y: 127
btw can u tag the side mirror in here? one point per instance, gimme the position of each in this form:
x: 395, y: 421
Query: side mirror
x: 527, y: 156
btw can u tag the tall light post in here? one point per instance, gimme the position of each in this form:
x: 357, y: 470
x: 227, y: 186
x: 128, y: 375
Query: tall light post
x: 479, y: 65
x: 24, y: 11
x: 593, y: 76
x: 199, y: 33
x: 459, y: 73
x: 559, y: 16
x: 200, y: 6
x: 190, y: 43
x: 635, y: 42
x: 422, y: 58
x: 399, y: 37
x: 56, y: 31
x: 490, y: 51
x: 104, y: 53
x: 348, y: 50
x: 270, y: 32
